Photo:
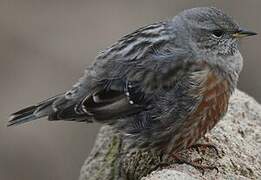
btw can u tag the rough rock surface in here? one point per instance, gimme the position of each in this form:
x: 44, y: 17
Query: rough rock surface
x: 237, y: 136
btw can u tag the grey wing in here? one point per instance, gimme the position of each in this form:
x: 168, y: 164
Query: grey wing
x: 124, y: 78
x: 122, y: 81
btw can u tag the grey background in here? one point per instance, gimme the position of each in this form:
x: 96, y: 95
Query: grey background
x: 44, y: 47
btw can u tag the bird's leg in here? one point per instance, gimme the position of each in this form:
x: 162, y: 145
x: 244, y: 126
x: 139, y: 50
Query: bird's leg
x: 195, y: 163
x: 204, y: 146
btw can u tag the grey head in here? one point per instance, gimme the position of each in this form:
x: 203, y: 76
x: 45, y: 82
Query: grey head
x: 212, y: 36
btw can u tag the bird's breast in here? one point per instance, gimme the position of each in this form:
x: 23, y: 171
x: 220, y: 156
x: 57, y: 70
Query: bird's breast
x: 213, y: 105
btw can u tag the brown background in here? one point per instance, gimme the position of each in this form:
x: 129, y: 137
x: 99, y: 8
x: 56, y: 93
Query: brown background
x: 44, y: 47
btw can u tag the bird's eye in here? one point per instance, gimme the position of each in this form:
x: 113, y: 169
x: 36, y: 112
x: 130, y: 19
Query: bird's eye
x: 217, y: 33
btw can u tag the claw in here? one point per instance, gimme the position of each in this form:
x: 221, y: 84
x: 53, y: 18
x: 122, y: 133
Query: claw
x: 195, y: 164
x: 198, y: 160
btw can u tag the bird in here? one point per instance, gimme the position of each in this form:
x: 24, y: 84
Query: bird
x: 163, y: 86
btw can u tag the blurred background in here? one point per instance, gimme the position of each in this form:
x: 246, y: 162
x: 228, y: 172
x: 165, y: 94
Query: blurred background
x: 45, y: 46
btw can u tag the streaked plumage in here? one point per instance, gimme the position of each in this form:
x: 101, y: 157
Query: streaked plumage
x: 164, y: 85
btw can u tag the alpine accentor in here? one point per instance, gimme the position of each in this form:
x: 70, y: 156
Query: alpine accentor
x: 163, y: 86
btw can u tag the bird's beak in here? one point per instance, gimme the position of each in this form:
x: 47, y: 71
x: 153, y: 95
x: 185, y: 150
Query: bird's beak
x: 243, y: 33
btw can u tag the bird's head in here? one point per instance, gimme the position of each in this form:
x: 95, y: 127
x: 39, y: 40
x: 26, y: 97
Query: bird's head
x: 212, y: 35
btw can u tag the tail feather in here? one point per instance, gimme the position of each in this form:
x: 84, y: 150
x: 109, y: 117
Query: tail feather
x: 22, y: 116
x: 32, y: 112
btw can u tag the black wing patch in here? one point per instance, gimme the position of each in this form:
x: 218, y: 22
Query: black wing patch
x: 107, y: 104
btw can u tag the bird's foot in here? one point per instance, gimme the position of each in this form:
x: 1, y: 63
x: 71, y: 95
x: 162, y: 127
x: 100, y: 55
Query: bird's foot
x: 205, y: 146
x: 195, y: 163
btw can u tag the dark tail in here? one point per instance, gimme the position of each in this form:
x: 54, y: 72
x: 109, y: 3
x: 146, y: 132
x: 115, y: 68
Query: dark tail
x: 32, y: 112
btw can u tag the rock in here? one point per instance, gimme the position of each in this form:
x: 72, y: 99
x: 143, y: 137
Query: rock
x: 169, y: 174
x: 237, y: 137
